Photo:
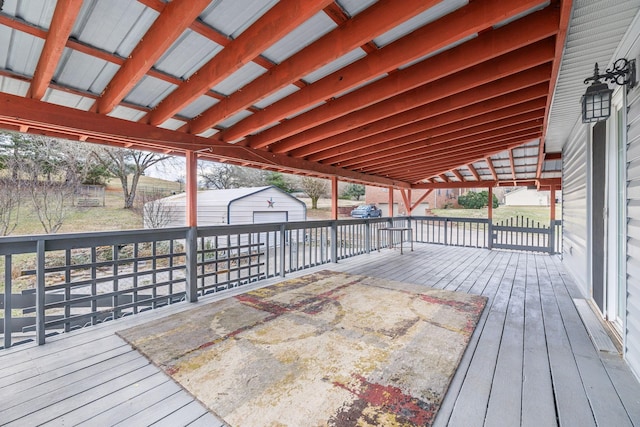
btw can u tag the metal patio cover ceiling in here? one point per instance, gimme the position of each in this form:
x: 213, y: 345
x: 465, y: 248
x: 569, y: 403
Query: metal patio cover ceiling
x: 403, y: 93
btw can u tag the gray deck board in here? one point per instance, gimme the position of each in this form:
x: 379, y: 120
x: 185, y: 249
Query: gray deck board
x: 529, y: 362
x: 538, y: 407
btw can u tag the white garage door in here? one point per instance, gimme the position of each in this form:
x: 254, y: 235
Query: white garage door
x: 269, y: 216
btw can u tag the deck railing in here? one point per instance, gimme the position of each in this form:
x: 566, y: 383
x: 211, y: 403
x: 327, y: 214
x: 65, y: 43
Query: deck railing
x: 89, y: 278
x: 85, y: 279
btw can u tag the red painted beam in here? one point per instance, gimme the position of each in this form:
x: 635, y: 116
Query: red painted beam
x: 271, y: 27
x: 490, y: 71
x: 373, y: 21
x: 513, y: 164
x: 565, y: 7
x: 64, y: 16
x: 176, y: 17
x: 461, y: 107
x: 16, y: 110
x: 464, y: 22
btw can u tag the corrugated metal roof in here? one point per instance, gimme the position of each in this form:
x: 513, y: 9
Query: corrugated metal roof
x: 310, y: 31
x: 187, y: 55
x: 38, y: 12
x: 276, y: 96
x: 429, y: 15
x: 240, y: 78
x: 198, y: 106
x: 149, y: 92
x: 232, y: 17
x: 339, y: 63
x: 84, y: 72
x: 353, y: 7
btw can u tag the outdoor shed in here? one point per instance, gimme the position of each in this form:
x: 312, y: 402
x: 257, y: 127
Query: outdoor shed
x: 251, y: 205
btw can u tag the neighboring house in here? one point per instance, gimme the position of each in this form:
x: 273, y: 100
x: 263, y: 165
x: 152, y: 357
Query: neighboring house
x: 601, y: 182
x: 529, y: 197
x: 437, y: 199
x: 252, y: 205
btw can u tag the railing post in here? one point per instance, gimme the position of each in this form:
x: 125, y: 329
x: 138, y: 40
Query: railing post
x: 7, y: 301
x: 334, y: 241
x: 552, y: 239
x: 367, y: 237
x: 490, y: 237
x: 446, y: 220
x: 40, y: 291
x: 191, y: 251
x: 283, y: 249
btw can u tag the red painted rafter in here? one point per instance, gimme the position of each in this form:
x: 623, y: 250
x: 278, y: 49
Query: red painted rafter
x: 271, y: 27
x: 465, y: 21
x: 438, y: 135
x: 486, y: 72
x: 353, y: 33
x: 457, y: 174
x: 446, y: 145
x: 443, y: 161
x: 513, y: 164
x: 492, y: 169
x: 62, y: 22
x: 176, y: 17
x: 436, y: 113
x: 473, y: 171
x: 433, y: 126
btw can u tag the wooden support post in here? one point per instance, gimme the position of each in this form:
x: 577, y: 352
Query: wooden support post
x: 552, y: 211
x: 192, y: 189
x: 390, y: 202
x: 490, y: 205
x: 334, y: 197
x: 191, y: 241
x: 490, y: 219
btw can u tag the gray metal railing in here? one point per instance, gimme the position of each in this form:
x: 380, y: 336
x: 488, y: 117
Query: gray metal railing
x: 471, y: 232
x: 89, y: 278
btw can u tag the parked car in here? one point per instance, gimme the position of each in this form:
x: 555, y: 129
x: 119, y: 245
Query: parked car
x: 366, y: 211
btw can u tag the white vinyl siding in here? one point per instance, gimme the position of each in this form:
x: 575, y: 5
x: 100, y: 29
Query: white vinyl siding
x: 632, y: 329
x: 574, y: 206
x: 236, y: 206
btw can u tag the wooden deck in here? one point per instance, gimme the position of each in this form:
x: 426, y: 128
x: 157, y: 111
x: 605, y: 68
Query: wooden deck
x: 530, y: 361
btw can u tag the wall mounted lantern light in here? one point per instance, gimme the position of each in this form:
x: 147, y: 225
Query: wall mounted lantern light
x: 596, y: 101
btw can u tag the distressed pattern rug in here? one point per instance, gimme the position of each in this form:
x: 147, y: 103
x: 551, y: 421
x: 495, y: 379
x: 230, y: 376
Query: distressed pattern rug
x: 325, y: 349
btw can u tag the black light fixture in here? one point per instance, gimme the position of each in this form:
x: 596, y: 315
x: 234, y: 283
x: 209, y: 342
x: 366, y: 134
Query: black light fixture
x: 596, y: 101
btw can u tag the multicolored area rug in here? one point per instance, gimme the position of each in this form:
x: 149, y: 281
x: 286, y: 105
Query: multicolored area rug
x: 324, y: 349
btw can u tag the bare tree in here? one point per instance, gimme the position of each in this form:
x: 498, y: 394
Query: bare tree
x: 10, y: 197
x: 124, y: 163
x: 45, y: 170
x: 156, y: 211
x: 222, y: 175
x: 217, y: 176
x: 314, y: 188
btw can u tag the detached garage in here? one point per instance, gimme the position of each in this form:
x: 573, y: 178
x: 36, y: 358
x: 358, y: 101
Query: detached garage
x: 254, y: 205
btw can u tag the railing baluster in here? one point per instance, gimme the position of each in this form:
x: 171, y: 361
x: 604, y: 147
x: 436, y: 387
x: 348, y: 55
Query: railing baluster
x: 8, y: 328
x: 40, y: 291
